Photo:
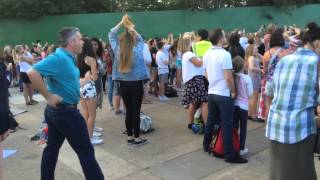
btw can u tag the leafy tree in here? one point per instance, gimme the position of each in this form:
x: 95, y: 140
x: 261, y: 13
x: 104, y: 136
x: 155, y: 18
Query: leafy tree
x: 29, y: 9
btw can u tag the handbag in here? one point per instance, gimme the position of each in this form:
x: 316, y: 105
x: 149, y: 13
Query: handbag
x: 216, y: 146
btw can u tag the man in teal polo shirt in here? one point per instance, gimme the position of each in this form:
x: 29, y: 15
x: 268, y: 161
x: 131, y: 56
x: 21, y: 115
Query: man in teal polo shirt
x: 62, y: 96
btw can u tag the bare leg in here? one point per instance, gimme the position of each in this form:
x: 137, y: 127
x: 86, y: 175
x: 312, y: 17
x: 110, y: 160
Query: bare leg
x: 84, y: 109
x: 161, y: 89
x: 92, y: 106
x: 192, y: 110
x: 204, y: 108
x: 178, y: 78
x: 25, y: 93
x: 116, y: 102
x: 30, y: 92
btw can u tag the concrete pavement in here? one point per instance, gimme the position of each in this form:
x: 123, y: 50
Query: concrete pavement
x: 174, y: 152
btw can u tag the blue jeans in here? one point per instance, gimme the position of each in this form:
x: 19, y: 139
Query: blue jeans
x: 220, y: 108
x: 68, y: 123
x: 110, y: 89
x: 240, y: 119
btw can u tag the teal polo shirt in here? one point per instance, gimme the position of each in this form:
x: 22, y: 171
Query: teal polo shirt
x: 62, y: 75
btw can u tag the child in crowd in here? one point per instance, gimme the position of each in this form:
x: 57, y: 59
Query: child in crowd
x: 244, y: 91
x: 163, y: 70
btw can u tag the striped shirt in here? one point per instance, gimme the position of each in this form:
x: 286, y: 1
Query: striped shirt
x: 294, y: 88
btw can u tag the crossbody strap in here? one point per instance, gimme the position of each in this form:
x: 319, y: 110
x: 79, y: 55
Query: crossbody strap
x: 274, y: 56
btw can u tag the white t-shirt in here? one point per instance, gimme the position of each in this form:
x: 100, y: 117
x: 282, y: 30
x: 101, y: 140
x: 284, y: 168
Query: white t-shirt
x: 189, y: 70
x: 160, y: 58
x: 146, y: 54
x: 215, y: 61
x: 24, y: 66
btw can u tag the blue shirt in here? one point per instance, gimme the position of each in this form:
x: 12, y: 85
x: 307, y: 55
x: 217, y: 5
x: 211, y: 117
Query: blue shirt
x: 138, y: 68
x: 62, y: 75
x: 294, y: 91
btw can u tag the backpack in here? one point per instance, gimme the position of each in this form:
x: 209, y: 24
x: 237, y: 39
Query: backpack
x: 171, y: 92
x: 145, y: 123
x: 216, y: 146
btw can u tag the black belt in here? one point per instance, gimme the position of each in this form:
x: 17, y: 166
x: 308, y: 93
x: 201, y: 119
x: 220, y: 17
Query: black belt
x: 66, y: 105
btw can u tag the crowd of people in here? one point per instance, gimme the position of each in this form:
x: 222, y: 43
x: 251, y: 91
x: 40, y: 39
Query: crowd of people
x: 269, y: 76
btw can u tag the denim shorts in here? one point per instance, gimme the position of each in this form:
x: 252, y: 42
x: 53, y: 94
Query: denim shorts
x: 179, y: 64
x: 163, y: 78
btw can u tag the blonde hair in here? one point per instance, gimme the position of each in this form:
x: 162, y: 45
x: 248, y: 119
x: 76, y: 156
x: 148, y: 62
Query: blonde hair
x: 189, y: 35
x: 16, y: 51
x: 127, y: 42
x: 249, y: 53
x: 7, y: 50
x: 184, y: 45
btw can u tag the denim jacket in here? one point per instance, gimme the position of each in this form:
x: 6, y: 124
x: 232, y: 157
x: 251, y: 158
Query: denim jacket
x: 138, y: 69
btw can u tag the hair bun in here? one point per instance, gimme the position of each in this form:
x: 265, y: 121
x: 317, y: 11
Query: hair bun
x: 312, y: 26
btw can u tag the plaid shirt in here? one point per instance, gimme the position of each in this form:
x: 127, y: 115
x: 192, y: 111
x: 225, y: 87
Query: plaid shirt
x: 294, y: 88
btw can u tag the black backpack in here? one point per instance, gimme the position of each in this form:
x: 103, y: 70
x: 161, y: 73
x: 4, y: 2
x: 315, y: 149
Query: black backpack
x: 171, y: 92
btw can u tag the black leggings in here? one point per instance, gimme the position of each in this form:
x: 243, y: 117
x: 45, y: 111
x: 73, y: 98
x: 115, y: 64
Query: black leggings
x: 132, y: 94
x: 104, y: 79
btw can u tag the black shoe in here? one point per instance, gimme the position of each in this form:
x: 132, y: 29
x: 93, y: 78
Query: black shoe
x: 236, y: 160
x: 260, y: 120
x: 190, y: 126
x: 250, y: 117
x: 131, y: 141
x: 140, y: 142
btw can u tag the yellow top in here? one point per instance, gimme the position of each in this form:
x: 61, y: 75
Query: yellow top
x: 201, y: 47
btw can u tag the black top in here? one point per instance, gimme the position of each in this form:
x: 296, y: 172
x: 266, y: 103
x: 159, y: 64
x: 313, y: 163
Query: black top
x: 236, y: 51
x: 153, y: 52
x: 4, y: 82
x: 84, y: 69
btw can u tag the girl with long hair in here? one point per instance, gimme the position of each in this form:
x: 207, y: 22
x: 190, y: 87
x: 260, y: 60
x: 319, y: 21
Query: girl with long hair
x: 25, y: 64
x: 88, y: 95
x: 130, y: 71
x: 196, y: 85
x: 252, y: 60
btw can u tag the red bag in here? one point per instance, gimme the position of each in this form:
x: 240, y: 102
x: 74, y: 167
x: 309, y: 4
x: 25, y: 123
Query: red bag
x: 216, y: 146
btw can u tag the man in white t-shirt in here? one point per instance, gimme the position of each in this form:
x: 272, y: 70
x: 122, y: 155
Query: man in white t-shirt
x: 163, y: 70
x: 217, y: 63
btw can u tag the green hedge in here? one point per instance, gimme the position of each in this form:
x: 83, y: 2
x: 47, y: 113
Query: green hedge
x: 157, y: 23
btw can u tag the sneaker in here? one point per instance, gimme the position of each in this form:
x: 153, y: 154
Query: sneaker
x: 111, y: 108
x: 166, y: 98
x: 96, y: 134
x: 260, y: 120
x: 161, y: 98
x: 243, y: 152
x: 140, y: 142
x: 96, y: 141
x: 118, y: 112
x: 190, y: 126
x: 236, y: 160
x: 98, y: 129
x: 131, y: 141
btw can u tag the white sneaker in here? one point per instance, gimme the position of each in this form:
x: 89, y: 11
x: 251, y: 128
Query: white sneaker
x: 243, y: 152
x: 161, y: 98
x: 98, y: 129
x: 96, y: 134
x: 96, y: 141
x: 166, y: 98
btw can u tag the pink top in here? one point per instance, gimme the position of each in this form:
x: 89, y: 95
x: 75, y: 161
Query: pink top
x: 244, y: 90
